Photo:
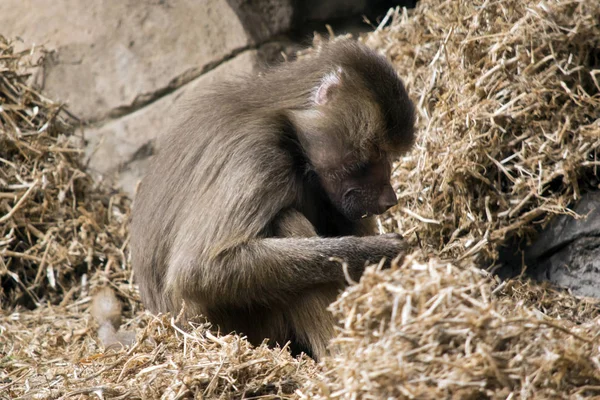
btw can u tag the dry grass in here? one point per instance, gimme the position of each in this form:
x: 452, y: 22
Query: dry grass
x: 509, y: 110
x: 57, y: 231
x: 509, y: 117
x: 434, y: 331
x: 53, y: 353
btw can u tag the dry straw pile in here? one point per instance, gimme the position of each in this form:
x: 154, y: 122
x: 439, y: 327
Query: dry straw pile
x: 509, y: 114
x: 436, y: 331
x: 508, y: 97
x: 56, y: 228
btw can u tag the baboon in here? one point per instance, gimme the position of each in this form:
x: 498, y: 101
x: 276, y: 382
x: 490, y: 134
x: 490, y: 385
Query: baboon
x: 263, y: 185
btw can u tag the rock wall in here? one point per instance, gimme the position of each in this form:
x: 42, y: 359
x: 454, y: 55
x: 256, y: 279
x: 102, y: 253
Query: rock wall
x: 112, y: 56
x: 124, y: 144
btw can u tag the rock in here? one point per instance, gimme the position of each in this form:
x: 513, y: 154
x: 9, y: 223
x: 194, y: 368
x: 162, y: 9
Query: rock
x: 567, y: 252
x: 114, y: 55
x: 576, y: 267
x: 119, y: 150
x: 565, y: 229
x: 263, y: 19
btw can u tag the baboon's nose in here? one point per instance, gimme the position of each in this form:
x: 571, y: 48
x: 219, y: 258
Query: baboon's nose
x: 387, y: 199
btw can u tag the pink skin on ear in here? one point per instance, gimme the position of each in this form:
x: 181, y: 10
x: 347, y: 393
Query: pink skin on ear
x: 329, y: 82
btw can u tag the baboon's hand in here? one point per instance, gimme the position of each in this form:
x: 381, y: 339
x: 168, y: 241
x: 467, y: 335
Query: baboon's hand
x: 371, y: 249
x: 388, y: 246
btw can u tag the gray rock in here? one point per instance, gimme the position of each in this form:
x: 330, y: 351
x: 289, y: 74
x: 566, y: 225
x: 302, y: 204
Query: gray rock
x: 576, y: 267
x: 119, y: 150
x: 567, y: 252
x: 114, y: 55
x: 263, y: 19
x: 565, y: 229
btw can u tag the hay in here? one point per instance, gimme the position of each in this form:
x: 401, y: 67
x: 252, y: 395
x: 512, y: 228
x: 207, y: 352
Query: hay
x: 509, y: 129
x: 56, y: 227
x: 509, y: 111
x: 433, y: 330
x: 54, y: 353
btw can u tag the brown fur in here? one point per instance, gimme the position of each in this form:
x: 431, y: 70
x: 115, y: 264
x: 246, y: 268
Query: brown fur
x: 243, y: 208
x: 106, y: 309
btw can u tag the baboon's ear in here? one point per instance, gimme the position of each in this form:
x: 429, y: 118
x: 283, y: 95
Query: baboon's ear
x: 329, y: 84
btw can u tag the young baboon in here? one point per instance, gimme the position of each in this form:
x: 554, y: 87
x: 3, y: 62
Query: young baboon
x: 261, y: 183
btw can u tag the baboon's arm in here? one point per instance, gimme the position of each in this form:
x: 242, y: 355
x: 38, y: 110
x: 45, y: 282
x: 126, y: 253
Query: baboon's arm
x: 275, y: 269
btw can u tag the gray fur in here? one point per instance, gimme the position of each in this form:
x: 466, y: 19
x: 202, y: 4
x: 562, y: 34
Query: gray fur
x: 231, y: 217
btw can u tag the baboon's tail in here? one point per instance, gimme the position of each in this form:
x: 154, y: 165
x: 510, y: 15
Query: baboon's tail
x: 106, y: 308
